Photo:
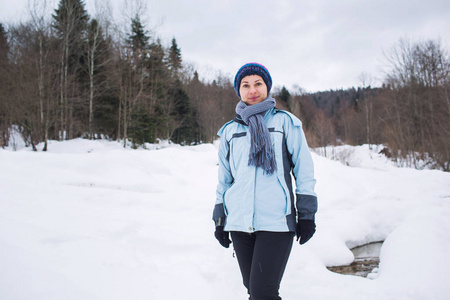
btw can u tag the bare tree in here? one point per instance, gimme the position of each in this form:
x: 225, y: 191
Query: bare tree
x: 324, y: 130
x: 419, y: 79
x: 366, y: 81
x: 41, y: 25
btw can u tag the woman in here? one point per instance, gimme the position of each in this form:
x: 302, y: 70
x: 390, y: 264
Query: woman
x: 255, y: 201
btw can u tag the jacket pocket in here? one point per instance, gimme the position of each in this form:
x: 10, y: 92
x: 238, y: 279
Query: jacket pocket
x: 286, y: 197
x: 224, y: 198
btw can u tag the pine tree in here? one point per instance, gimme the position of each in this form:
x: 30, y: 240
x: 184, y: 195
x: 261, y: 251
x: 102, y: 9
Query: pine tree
x: 70, y: 20
x: 138, y: 42
x: 174, y: 59
x: 137, y: 105
x: 3, y: 73
x: 70, y: 23
x: 184, y: 116
x: 284, y: 95
x: 3, y: 44
x: 97, y: 59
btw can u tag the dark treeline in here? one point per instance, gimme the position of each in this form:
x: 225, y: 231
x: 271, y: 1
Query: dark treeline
x: 74, y: 76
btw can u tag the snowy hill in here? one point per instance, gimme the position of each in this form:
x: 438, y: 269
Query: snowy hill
x: 91, y: 220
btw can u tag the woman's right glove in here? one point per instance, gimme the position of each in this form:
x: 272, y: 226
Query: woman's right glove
x: 222, y: 236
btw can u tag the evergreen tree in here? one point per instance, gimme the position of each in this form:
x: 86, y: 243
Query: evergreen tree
x: 70, y: 22
x: 138, y: 40
x: 4, y: 137
x: 184, y: 116
x: 138, y: 104
x: 157, y: 65
x: 98, y: 58
x: 284, y: 95
x: 174, y: 59
x: 3, y: 44
x: 159, y: 81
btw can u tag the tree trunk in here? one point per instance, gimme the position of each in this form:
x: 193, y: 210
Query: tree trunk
x: 91, y: 93
x: 368, y: 141
x: 61, y: 102
x: 41, y: 84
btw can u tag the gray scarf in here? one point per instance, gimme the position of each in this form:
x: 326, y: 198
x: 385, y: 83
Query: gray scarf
x: 262, y: 153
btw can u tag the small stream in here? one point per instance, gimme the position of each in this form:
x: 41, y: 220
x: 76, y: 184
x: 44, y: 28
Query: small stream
x: 367, y: 259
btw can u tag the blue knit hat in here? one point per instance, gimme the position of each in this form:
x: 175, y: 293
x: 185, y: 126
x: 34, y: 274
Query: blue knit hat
x: 252, y: 69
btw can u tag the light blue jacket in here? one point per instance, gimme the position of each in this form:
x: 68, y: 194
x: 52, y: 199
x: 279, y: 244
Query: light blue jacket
x: 247, y: 199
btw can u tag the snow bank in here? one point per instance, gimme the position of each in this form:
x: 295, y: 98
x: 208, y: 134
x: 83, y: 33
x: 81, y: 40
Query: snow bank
x: 91, y: 220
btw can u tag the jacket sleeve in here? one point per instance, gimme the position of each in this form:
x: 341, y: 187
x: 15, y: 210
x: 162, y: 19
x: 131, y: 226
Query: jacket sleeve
x: 225, y: 180
x: 303, y: 169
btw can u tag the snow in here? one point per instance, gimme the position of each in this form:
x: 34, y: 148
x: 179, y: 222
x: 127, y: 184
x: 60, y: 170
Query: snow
x: 92, y: 220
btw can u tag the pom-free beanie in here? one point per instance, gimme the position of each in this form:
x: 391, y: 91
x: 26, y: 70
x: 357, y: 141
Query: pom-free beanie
x: 252, y: 69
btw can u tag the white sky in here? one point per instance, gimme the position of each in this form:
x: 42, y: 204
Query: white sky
x: 316, y: 44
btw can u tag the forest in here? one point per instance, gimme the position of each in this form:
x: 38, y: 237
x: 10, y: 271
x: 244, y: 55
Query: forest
x: 72, y: 75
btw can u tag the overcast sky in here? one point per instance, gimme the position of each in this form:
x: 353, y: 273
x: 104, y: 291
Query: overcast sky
x: 317, y: 44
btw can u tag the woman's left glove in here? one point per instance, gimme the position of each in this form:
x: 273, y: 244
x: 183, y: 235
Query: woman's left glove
x: 305, y: 230
x: 222, y: 236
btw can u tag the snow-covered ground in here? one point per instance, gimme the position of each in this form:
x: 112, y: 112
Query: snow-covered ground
x: 91, y: 220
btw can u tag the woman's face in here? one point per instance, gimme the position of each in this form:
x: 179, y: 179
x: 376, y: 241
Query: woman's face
x: 253, y: 89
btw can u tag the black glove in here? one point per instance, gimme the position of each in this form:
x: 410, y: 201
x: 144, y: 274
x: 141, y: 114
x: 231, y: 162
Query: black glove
x: 305, y: 230
x: 222, y: 236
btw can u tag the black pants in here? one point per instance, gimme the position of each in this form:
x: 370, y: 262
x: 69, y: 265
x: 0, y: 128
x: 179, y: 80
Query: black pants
x: 262, y: 258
